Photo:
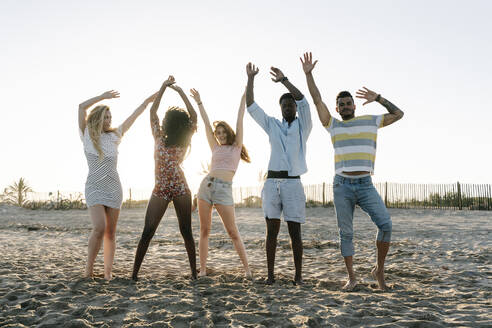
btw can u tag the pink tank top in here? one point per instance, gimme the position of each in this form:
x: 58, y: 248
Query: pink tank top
x: 225, y: 157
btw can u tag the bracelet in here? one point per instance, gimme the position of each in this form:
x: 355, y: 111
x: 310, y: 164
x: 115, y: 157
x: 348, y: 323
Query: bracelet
x: 199, y: 103
x: 378, y: 97
x: 284, y: 79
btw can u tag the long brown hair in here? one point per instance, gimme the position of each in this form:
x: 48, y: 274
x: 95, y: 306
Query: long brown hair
x: 231, y: 138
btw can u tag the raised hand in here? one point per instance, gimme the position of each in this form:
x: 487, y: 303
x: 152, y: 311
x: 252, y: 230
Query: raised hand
x: 277, y: 74
x: 367, y: 94
x: 110, y: 94
x: 307, y: 64
x: 170, y: 81
x: 251, y: 70
x: 196, y: 96
x: 176, y: 88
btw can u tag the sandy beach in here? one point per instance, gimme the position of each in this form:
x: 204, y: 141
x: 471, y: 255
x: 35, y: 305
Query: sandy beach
x: 438, y: 268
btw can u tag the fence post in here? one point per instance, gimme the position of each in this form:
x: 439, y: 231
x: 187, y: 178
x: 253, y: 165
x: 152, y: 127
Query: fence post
x: 386, y: 194
x: 324, y: 203
x: 130, y: 200
x: 488, y: 200
x: 460, y: 204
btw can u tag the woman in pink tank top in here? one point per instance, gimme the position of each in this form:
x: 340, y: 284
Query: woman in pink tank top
x: 216, y: 188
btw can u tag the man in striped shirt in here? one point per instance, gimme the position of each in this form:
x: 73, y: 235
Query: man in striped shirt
x: 354, y: 141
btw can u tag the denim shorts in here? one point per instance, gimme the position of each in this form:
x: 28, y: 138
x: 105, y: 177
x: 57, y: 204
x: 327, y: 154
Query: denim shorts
x: 284, y: 195
x: 216, y: 191
x: 347, y: 193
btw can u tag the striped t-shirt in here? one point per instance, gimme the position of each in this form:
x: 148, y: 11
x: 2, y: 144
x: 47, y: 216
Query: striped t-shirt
x: 355, y: 142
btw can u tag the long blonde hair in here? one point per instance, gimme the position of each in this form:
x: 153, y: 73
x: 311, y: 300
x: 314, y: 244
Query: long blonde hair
x: 95, y: 123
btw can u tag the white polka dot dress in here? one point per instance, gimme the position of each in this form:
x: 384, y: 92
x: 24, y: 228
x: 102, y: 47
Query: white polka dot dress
x: 103, y: 186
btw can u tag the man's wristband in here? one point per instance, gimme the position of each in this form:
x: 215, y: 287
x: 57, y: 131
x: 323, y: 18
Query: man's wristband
x: 284, y: 79
x: 378, y: 97
x: 199, y: 103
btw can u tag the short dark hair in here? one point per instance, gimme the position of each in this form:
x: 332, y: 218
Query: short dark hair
x: 343, y: 94
x: 286, y: 96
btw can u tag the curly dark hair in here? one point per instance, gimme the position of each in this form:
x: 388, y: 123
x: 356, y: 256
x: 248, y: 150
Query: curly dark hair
x: 177, y: 128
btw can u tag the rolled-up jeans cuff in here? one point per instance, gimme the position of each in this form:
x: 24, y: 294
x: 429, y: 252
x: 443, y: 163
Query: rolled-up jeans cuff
x: 347, y: 248
x: 383, y: 236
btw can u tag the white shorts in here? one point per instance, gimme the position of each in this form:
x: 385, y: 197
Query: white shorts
x: 216, y: 191
x: 284, y: 195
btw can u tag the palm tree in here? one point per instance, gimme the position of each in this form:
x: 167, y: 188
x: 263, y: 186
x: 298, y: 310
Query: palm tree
x: 17, y: 193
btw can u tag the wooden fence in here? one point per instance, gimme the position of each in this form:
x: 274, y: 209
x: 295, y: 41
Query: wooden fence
x: 456, y: 196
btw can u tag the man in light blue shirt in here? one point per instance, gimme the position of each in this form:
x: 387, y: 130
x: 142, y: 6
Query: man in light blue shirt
x: 283, y: 190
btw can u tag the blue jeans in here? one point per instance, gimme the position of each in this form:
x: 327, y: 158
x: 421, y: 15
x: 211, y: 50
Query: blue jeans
x: 349, y: 192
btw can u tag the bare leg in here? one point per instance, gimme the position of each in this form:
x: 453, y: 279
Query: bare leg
x: 182, y: 205
x: 112, y: 215
x: 98, y: 218
x: 352, y: 281
x: 273, y: 227
x: 228, y: 219
x: 296, y: 240
x: 205, y: 214
x: 155, y: 211
x: 378, y: 271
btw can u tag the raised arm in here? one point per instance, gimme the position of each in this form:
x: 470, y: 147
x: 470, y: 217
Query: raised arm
x: 254, y: 110
x: 131, y: 119
x: 394, y: 113
x: 154, y: 119
x: 83, y: 107
x: 239, y: 123
x: 308, y: 66
x: 278, y: 76
x: 189, y: 106
x: 208, y: 127
x: 251, y: 71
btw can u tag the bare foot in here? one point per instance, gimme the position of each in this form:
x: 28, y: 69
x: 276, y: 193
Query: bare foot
x: 89, y: 273
x: 248, y: 275
x: 202, y: 273
x: 298, y: 282
x: 108, y: 277
x: 378, y: 275
x: 350, y: 285
x: 269, y: 281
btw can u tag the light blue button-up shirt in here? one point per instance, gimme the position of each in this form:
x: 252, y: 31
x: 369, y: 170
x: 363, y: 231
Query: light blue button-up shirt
x: 288, y: 143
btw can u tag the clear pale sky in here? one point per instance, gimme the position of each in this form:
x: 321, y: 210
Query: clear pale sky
x: 430, y: 58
